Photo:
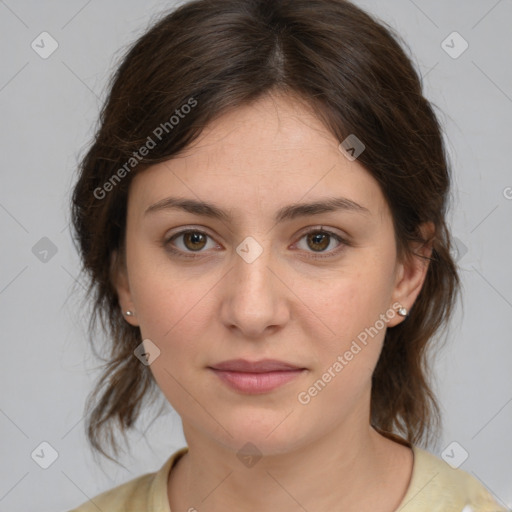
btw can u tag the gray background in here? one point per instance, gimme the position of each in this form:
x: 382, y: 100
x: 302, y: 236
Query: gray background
x: 48, y: 110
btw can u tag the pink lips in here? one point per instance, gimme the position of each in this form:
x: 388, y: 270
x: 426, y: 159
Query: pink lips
x: 256, y: 377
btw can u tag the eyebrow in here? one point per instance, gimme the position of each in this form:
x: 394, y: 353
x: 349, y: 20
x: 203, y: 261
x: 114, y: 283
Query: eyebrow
x: 289, y: 212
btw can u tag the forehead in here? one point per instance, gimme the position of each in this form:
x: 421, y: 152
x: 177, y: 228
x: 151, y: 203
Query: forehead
x: 260, y: 156
x: 270, y: 129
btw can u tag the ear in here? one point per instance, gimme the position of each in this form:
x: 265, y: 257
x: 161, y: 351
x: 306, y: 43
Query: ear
x: 119, y: 279
x: 411, y: 273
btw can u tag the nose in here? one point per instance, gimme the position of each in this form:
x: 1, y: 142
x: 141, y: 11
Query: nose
x: 255, y: 298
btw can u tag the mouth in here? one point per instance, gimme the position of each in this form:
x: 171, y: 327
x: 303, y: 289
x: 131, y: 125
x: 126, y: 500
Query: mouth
x: 258, y: 376
x: 262, y: 366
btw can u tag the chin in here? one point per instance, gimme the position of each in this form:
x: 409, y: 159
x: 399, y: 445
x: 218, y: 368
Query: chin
x: 264, y: 435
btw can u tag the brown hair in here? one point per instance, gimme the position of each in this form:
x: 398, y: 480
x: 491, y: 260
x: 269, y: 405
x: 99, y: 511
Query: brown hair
x: 214, y: 56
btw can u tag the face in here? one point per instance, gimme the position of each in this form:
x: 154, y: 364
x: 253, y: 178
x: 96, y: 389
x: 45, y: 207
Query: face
x: 313, y: 288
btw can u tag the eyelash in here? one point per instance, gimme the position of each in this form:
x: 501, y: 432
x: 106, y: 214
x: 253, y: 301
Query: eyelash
x: 321, y: 255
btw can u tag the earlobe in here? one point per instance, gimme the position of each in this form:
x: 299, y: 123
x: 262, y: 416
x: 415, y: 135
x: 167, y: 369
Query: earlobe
x: 119, y: 280
x: 412, y: 274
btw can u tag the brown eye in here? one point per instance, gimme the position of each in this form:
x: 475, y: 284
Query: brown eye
x: 318, y: 240
x: 194, y: 240
x: 187, y: 242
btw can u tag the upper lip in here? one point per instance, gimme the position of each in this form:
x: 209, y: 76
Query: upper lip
x: 262, y: 366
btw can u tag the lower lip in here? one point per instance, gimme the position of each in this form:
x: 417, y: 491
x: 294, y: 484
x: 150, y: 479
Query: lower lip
x: 254, y: 383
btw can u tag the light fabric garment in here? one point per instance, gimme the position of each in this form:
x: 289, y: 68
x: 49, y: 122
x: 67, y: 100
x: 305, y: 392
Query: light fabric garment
x: 434, y: 487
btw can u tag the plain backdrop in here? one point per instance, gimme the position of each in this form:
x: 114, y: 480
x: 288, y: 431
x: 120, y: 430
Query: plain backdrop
x: 48, y: 111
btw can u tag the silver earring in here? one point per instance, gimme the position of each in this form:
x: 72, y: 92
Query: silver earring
x: 128, y: 313
x: 402, y: 311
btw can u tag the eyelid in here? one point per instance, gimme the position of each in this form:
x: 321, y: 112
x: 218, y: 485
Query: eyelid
x: 344, y: 240
x: 336, y: 232
x: 190, y: 254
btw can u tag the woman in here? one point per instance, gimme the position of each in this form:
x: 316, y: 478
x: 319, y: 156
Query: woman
x: 262, y: 216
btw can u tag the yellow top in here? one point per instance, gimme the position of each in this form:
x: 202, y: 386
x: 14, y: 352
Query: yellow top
x: 434, y: 487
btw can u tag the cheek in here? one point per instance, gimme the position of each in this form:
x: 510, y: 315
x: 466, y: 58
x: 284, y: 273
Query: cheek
x: 173, y: 313
x: 348, y: 304
x: 346, y: 352
x: 171, y: 304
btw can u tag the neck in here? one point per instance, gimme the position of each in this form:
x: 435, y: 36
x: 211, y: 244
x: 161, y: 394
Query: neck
x: 346, y: 469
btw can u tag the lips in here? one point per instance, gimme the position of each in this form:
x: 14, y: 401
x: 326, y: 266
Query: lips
x: 256, y: 377
x: 262, y: 366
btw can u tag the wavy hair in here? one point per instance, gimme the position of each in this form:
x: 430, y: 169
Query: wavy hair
x: 352, y: 70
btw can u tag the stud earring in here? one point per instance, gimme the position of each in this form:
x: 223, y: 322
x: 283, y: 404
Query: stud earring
x: 402, y: 311
x: 128, y: 313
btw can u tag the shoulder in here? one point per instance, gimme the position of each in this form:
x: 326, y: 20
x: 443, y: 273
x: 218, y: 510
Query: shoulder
x: 135, y: 492
x: 436, y: 486
x: 147, y: 492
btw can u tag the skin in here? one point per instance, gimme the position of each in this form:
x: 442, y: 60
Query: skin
x: 285, y: 305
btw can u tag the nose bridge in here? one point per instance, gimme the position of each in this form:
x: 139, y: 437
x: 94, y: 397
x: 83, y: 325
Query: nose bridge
x: 254, y: 300
x: 251, y: 265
